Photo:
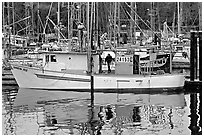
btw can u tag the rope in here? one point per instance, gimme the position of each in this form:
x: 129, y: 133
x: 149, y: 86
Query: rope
x: 170, y: 30
x: 134, y: 21
x: 41, y: 21
x: 19, y: 21
x: 143, y: 21
x: 47, y: 18
x: 56, y: 27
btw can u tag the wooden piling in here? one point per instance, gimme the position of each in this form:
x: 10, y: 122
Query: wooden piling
x: 192, y: 56
x: 92, y: 90
x: 200, y: 56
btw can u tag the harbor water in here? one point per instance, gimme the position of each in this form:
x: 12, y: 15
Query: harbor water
x: 53, y: 112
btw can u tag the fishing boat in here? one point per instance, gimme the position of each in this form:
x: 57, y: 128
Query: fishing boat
x: 69, y: 71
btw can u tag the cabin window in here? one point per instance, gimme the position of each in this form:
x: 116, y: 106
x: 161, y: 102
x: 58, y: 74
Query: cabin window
x: 47, y: 58
x: 53, y: 58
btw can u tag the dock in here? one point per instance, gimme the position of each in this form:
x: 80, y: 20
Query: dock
x: 8, y: 78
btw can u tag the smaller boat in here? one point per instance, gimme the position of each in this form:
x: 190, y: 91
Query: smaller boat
x: 181, y: 58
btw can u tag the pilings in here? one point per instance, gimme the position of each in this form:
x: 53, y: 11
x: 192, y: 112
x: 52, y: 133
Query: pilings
x: 195, y: 83
x: 200, y: 56
x: 195, y: 56
x: 193, y: 48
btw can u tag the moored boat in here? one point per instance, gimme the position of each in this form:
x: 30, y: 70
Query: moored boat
x: 68, y: 71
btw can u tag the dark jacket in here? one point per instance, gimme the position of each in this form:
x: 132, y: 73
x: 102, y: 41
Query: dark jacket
x: 108, y: 59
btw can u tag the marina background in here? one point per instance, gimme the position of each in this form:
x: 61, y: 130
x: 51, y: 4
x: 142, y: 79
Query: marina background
x: 55, y: 112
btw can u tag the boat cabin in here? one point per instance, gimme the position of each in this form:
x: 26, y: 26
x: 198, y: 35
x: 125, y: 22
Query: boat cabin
x: 124, y: 62
x: 72, y: 62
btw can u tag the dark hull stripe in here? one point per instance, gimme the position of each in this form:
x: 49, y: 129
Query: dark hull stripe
x: 62, y: 78
x: 172, y: 90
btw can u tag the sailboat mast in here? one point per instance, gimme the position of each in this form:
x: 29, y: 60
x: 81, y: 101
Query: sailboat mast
x: 88, y: 44
x: 58, y: 21
x: 68, y: 20
x: 9, y: 29
x: 8, y: 12
x: 200, y: 16
x: 32, y: 14
x: 115, y: 12
x: 110, y: 22
x: 13, y: 18
x: 119, y: 24
x: 136, y: 20
x: 97, y: 26
x: 3, y: 15
x: 179, y: 25
x: 131, y: 22
x: 91, y: 25
x: 13, y: 23
x: 173, y: 24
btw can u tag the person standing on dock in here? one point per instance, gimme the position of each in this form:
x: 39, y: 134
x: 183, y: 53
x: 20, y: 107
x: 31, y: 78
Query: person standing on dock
x: 108, y: 59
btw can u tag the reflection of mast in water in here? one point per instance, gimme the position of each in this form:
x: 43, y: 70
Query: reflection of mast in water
x: 170, y: 116
x: 136, y: 114
x: 200, y: 109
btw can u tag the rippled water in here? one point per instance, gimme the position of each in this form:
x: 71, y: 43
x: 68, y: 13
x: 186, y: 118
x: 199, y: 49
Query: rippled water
x: 43, y: 112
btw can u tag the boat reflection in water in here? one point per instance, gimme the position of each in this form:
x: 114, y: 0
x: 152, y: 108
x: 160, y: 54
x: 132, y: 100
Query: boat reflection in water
x: 69, y: 112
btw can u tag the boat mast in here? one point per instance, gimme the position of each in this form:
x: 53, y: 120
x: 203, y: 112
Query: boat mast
x: 131, y: 22
x: 179, y: 25
x: 152, y: 18
x: 115, y: 12
x: 173, y: 24
x: 91, y: 26
x: 110, y: 22
x: 32, y: 14
x: 9, y: 31
x: 119, y: 24
x: 58, y: 21
x: 68, y: 20
x: 200, y: 16
x: 38, y: 21
x: 94, y: 26
x: 97, y: 26
x: 88, y: 44
x: 4, y: 40
x: 136, y: 21
x: 158, y: 16
x: 3, y: 12
x: 13, y: 20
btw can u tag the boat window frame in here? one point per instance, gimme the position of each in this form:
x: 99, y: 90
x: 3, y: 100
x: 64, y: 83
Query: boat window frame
x: 47, y: 58
x: 53, y: 58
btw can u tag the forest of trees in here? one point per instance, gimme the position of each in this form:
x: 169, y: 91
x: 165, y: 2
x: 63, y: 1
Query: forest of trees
x: 165, y: 11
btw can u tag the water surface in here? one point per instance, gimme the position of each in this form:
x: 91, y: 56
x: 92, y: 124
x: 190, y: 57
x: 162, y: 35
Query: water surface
x: 44, y: 112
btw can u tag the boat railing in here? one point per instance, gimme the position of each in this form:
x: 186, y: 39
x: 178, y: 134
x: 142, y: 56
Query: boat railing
x: 27, y: 63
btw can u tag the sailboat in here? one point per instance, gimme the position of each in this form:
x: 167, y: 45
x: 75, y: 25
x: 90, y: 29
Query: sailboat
x: 65, y: 70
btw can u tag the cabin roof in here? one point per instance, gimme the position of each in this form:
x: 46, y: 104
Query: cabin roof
x: 65, y: 52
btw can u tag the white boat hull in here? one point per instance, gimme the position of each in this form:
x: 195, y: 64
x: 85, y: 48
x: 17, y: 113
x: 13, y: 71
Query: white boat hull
x: 36, y: 78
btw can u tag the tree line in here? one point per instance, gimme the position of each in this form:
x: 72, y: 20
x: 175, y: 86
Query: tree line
x: 166, y: 11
